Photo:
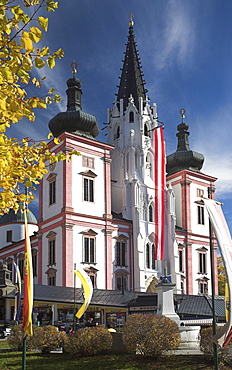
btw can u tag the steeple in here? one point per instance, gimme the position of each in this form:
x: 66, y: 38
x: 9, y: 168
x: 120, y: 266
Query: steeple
x: 131, y: 80
x: 183, y: 158
x: 74, y: 120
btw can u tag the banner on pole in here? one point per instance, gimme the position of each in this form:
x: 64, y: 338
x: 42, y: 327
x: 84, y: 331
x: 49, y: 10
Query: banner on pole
x: 222, y: 233
x: 28, y: 283
x: 159, y: 180
x: 88, y: 290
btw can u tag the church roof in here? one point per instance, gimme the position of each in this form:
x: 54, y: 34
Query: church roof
x: 183, y: 157
x: 131, y: 80
x: 74, y: 120
x: 17, y: 217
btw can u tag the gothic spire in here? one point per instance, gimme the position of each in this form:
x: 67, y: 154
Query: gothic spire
x: 131, y: 80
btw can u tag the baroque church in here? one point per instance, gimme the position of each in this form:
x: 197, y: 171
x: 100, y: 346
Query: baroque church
x: 96, y: 212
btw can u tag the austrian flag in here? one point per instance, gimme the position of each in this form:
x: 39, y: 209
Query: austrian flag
x: 159, y: 180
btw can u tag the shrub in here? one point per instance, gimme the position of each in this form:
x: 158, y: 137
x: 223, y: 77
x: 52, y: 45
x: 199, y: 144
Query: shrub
x: 150, y: 335
x: 207, y: 347
x: 206, y: 342
x: 44, y: 339
x: 88, y: 341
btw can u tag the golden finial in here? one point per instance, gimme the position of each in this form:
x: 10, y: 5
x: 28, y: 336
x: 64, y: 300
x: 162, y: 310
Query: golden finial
x: 74, y: 66
x: 182, y: 114
x: 131, y: 19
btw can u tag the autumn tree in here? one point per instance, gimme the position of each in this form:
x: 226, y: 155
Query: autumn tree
x: 22, y: 162
x: 222, y: 279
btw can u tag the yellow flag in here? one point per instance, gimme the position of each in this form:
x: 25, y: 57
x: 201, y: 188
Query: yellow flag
x: 28, y: 284
x: 88, y: 291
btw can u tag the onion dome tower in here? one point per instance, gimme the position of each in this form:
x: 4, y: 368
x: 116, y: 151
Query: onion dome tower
x: 74, y: 120
x: 12, y: 226
x: 183, y: 157
x: 131, y: 80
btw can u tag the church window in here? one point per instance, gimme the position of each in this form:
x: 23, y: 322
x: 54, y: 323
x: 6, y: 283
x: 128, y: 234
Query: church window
x: 131, y: 117
x: 153, y: 257
x: 181, y: 260
x: 148, y: 256
x: 21, y: 265
x: 150, y: 212
x: 200, y: 215
x: 9, y: 236
x: 52, y: 188
x: 51, y: 276
x: 121, y: 282
x: 146, y: 132
x: 120, y: 253
x: 34, y: 262
x: 182, y: 289
x: 200, y: 192
x: 203, y: 286
x: 9, y: 263
x: 202, y: 264
x: 116, y: 132
x: 89, y: 250
x: 51, y: 252
x: 88, y: 190
x: 87, y: 161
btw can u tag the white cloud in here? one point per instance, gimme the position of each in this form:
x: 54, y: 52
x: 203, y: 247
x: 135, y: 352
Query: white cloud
x: 178, y: 37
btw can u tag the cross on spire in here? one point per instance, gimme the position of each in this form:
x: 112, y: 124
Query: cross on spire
x: 131, y: 16
x: 73, y: 65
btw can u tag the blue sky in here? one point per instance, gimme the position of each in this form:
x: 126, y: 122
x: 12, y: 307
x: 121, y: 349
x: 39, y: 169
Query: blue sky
x: 186, y: 52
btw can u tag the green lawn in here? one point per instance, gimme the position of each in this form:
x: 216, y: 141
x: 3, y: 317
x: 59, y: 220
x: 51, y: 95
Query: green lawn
x: 10, y: 360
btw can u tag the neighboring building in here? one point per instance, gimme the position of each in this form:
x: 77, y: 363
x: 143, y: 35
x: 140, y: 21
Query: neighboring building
x: 96, y: 212
x: 189, y: 184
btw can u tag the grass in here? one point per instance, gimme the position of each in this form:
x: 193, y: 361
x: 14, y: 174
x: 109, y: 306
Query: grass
x: 10, y: 360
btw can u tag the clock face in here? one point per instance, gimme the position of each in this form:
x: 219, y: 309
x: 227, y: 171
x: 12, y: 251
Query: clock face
x: 52, y: 166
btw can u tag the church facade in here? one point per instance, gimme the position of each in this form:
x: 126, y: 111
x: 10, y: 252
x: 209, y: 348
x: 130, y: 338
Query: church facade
x: 96, y: 212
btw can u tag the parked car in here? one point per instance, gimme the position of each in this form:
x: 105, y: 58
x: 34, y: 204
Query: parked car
x: 62, y: 326
x: 4, y: 331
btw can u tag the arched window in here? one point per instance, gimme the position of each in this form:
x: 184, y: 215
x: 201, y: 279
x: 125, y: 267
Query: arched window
x: 146, y: 133
x: 148, y: 256
x: 150, y: 211
x: 116, y: 131
x: 131, y: 117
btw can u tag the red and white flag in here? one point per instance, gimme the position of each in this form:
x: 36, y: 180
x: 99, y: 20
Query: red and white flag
x: 160, y: 181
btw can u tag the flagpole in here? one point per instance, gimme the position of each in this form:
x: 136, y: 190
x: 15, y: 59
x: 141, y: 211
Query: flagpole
x: 24, y: 351
x: 213, y: 288
x: 74, y: 298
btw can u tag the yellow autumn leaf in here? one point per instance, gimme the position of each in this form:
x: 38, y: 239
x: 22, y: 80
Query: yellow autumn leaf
x: 35, y: 34
x: 41, y: 104
x: 43, y: 22
x: 39, y: 63
x: 28, y: 183
x: 51, y: 62
x: 56, y: 140
x: 49, y: 136
x: 27, y: 42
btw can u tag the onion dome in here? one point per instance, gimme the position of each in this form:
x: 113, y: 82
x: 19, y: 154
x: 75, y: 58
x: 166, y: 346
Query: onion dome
x: 183, y: 158
x: 131, y: 80
x: 74, y: 120
x: 18, y: 217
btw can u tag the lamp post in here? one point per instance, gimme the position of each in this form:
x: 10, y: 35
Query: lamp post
x: 74, y: 308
